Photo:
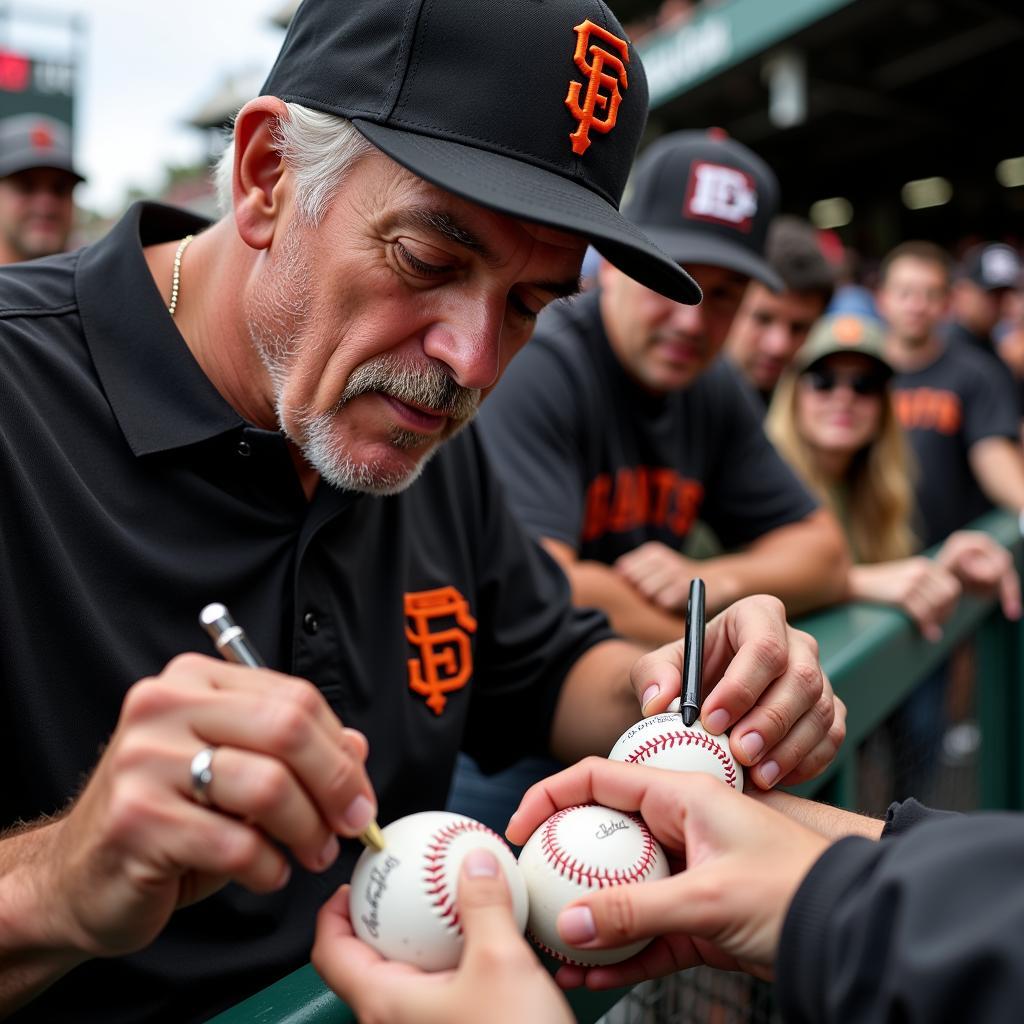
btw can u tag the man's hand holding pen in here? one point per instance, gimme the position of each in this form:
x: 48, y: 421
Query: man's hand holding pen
x: 148, y: 836
x: 764, y: 683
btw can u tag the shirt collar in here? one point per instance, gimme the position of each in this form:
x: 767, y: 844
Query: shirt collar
x: 159, y: 394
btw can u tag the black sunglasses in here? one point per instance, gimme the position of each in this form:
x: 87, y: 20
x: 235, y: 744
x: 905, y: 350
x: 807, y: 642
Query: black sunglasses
x: 866, y: 383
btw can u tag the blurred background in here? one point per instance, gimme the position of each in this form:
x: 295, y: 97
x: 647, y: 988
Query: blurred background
x: 883, y: 121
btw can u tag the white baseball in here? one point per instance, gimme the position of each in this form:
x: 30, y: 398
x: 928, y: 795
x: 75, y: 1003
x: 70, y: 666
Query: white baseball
x: 662, y: 741
x: 576, y: 850
x: 404, y: 900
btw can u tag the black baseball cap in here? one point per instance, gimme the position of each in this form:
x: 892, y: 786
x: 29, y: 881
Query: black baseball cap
x: 705, y: 198
x: 992, y: 266
x: 533, y: 108
x: 35, y: 140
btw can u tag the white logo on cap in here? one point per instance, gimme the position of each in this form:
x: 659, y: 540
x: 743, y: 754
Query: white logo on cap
x: 722, y: 194
x: 999, y: 266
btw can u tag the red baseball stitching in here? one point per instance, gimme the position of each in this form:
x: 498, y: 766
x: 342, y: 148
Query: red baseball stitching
x: 670, y: 739
x: 545, y: 948
x: 435, y: 875
x: 583, y: 874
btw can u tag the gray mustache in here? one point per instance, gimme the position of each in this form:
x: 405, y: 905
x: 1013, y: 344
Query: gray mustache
x: 420, y: 384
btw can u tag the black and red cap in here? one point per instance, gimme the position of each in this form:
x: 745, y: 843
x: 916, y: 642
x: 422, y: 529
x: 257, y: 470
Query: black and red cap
x: 533, y: 108
x: 705, y: 198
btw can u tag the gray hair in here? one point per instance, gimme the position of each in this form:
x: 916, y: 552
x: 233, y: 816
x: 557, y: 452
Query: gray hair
x: 319, y: 148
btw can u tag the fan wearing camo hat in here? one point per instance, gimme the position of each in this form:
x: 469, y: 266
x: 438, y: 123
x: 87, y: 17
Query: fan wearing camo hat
x: 619, y: 426
x: 37, y: 179
x: 267, y: 411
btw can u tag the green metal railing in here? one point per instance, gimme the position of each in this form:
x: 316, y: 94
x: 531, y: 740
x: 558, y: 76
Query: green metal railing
x: 874, y: 658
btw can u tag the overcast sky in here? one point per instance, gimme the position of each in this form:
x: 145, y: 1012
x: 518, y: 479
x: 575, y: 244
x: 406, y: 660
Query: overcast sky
x: 147, y: 67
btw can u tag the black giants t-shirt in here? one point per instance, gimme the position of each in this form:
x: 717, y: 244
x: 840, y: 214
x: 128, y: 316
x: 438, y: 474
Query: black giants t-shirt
x: 954, y: 333
x: 946, y: 408
x: 591, y: 459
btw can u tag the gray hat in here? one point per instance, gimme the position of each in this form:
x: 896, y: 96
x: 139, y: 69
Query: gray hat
x: 35, y: 140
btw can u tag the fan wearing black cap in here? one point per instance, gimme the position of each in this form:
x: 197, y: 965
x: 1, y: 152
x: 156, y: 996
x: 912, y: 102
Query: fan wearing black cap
x: 37, y: 180
x: 982, y: 280
x: 984, y: 277
x: 619, y: 426
x: 246, y: 412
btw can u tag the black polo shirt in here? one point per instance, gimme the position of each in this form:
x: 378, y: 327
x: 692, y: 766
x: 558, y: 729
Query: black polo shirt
x: 132, y: 495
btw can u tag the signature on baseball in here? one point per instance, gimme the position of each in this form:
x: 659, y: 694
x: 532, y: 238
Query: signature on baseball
x: 609, y: 829
x: 376, y: 884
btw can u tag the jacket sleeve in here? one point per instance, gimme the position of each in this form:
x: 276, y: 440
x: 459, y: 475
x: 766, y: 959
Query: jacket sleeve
x: 922, y: 927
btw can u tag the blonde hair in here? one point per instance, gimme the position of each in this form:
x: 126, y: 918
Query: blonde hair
x: 879, y: 485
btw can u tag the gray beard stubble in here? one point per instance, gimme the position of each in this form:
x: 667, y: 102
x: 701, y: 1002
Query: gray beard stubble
x: 274, y: 325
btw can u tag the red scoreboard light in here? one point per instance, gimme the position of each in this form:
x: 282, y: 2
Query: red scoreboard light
x: 15, y: 71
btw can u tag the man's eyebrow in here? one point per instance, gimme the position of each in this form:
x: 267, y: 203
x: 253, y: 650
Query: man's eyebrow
x: 451, y: 228
x: 448, y: 227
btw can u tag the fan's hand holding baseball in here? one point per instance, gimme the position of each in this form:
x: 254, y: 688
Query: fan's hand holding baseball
x: 151, y: 832
x: 762, y: 679
x: 743, y: 864
x: 498, y: 970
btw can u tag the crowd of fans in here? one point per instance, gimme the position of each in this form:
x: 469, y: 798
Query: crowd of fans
x: 795, y: 434
x: 890, y: 403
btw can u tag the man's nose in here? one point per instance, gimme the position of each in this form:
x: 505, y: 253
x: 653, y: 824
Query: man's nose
x: 468, y: 341
x: 686, y: 319
x: 777, y: 341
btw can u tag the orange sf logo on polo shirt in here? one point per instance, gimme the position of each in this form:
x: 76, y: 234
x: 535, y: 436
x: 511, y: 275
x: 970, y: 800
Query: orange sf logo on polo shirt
x: 597, y: 79
x: 439, y: 625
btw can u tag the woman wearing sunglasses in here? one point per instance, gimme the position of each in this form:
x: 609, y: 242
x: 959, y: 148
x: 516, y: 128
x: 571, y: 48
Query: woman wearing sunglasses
x: 832, y: 419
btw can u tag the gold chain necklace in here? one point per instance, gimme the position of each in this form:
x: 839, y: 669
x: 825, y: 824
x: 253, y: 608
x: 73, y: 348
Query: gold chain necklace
x: 176, y: 278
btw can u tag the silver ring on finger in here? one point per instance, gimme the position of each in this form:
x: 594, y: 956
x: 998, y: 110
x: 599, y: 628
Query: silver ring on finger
x: 201, y: 772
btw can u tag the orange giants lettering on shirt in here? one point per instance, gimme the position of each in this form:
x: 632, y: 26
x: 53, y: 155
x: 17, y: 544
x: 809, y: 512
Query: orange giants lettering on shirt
x: 439, y: 624
x: 641, y: 496
x: 928, y: 409
x: 598, y: 79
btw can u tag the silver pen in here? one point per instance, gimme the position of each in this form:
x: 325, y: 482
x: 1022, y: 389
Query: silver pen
x: 233, y: 645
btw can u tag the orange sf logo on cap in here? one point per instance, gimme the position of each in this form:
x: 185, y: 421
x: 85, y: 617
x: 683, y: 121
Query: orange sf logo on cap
x: 848, y: 330
x: 598, y: 79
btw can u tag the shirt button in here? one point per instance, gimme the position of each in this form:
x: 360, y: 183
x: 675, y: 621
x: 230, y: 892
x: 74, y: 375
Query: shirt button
x: 244, y: 448
x: 310, y: 623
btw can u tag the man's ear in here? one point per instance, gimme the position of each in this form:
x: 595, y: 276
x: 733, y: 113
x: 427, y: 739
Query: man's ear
x: 257, y: 182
